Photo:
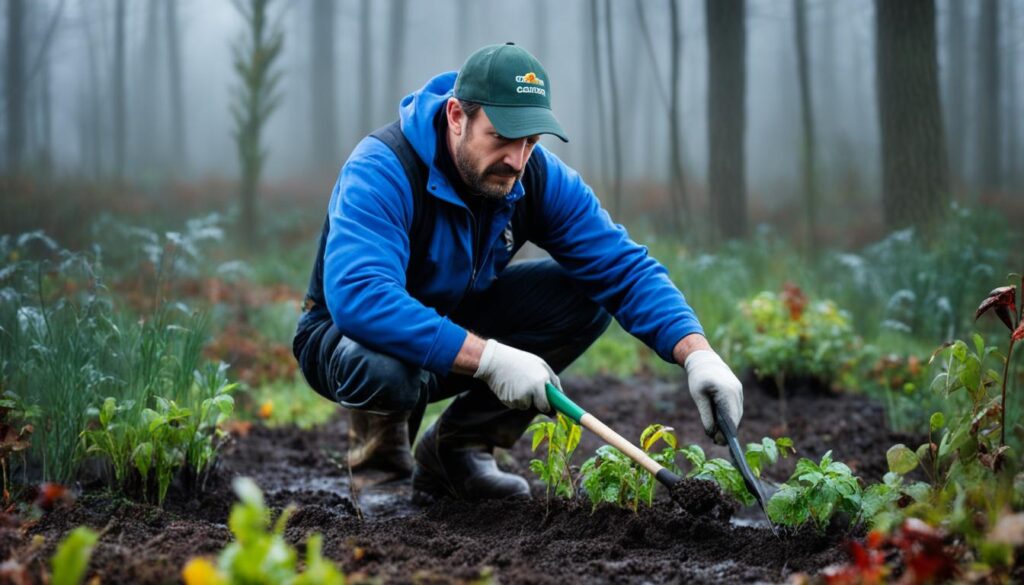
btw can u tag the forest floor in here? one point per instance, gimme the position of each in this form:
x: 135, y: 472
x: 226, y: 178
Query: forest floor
x: 375, y: 532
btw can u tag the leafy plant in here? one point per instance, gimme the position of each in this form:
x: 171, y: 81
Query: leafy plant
x: 725, y: 474
x: 1002, y: 301
x: 259, y: 554
x: 783, y: 336
x: 12, y: 438
x: 65, y: 348
x: 612, y: 477
x: 562, y: 437
x: 164, y: 439
x: 816, y: 492
x: 72, y: 556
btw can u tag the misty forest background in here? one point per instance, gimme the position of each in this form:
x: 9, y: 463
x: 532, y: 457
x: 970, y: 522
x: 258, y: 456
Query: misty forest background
x: 811, y: 131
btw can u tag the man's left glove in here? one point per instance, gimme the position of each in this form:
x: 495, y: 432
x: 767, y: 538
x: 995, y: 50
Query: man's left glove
x: 713, y: 387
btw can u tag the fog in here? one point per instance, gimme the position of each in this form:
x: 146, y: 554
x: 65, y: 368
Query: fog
x: 69, y: 50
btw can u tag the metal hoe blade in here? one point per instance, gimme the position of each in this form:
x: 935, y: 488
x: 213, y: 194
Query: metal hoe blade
x: 753, y: 484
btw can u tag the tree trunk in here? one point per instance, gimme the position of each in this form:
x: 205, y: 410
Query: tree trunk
x: 680, y: 201
x: 956, y: 85
x: 988, y: 96
x: 14, y: 85
x: 95, y: 123
x: 119, y: 90
x: 915, y: 177
x: 1011, y: 55
x: 46, y: 107
x: 616, y: 142
x: 365, y: 86
x: 324, y: 112
x: 177, y: 95
x: 148, y: 130
x: 595, y: 53
x: 809, y: 148
x: 541, y: 16
x: 256, y: 99
x: 727, y: 92
x: 396, y: 56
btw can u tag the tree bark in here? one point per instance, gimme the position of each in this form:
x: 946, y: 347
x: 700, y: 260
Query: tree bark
x: 324, y: 112
x: 14, y: 86
x: 915, y: 176
x: 809, y: 147
x: 988, y: 96
x: 727, y: 91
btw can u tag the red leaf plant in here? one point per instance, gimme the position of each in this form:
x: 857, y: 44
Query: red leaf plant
x: 1002, y: 300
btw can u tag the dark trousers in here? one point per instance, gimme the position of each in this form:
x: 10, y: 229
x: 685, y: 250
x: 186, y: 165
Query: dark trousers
x: 532, y: 306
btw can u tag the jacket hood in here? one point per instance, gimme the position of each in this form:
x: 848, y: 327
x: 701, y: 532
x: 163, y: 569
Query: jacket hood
x: 417, y: 112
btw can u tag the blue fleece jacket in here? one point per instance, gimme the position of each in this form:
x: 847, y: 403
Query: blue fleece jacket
x: 367, y: 250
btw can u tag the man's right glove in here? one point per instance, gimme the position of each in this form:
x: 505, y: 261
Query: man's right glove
x: 516, y: 377
x: 713, y: 387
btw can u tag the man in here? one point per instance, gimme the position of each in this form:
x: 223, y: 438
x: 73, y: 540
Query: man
x: 413, y: 300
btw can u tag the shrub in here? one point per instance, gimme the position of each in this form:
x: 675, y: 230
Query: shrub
x: 786, y: 336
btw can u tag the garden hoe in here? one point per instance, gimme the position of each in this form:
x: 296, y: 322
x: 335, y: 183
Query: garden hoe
x: 563, y: 404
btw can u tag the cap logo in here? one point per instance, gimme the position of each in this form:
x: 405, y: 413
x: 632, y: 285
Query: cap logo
x: 532, y: 82
x: 530, y: 77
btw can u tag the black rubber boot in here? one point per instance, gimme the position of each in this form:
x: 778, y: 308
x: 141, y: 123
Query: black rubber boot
x: 461, y: 471
x: 379, y: 442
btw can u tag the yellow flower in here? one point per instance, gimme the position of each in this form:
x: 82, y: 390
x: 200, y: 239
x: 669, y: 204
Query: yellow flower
x: 266, y: 409
x: 200, y: 571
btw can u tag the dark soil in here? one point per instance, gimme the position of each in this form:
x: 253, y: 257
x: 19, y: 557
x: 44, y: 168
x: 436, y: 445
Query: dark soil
x: 375, y: 532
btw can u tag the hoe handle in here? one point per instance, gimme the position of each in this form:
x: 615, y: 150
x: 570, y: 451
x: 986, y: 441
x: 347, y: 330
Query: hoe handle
x: 563, y: 404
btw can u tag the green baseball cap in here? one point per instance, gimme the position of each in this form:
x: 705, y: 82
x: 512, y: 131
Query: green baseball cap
x: 513, y: 88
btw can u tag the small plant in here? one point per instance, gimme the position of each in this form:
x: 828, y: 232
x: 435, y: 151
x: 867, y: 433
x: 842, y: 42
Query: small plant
x: 72, y: 556
x: 613, y: 478
x: 785, y: 336
x: 562, y: 437
x: 816, y: 492
x: 259, y: 553
x: 164, y: 439
x: 12, y: 438
x: 725, y: 474
x: 1003, y: 301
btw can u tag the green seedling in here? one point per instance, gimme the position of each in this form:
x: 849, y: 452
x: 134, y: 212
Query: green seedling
x: 816, y: 492
x: 724, y: 473
x: 163, y: 440
x: 260, y: 554
x: 611, y: 477
x: 562, y: 436
x: 72, y: 556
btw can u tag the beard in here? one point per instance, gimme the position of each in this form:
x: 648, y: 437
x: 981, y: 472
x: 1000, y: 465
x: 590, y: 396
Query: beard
x: 476, y: 180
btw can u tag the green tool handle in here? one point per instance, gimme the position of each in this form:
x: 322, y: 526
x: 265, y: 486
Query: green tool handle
x: 563, y: 404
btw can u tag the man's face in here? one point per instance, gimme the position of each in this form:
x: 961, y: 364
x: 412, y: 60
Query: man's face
x: 489, y: 163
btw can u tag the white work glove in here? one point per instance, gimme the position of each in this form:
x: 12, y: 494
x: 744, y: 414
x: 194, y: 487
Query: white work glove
x: 714, y: 386
x: 516, y: 377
